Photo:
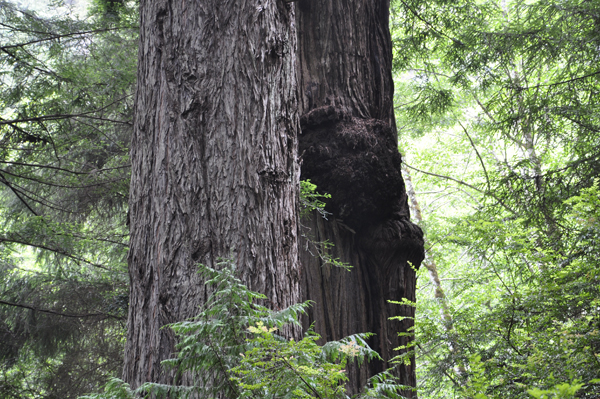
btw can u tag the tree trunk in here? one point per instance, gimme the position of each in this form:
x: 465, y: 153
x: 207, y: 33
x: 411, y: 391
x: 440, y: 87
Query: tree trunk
x: 214, y: 169
x: 434, y: 278
x: 348, y: 148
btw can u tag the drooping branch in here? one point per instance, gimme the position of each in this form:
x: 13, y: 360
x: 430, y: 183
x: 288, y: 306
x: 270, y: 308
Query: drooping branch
x: 59, y: 251
x: 61, y: 169
x: 48, y: 183
x: 66, y: 116
x: 17, y: 193
x: 55, y: 36
x: 62, y: 314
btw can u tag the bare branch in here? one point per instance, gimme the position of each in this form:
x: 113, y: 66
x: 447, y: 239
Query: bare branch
x: 464, y: 184
x: 487, y: 178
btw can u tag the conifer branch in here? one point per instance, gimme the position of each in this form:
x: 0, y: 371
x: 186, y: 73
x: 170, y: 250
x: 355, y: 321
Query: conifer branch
x: 54, y: 312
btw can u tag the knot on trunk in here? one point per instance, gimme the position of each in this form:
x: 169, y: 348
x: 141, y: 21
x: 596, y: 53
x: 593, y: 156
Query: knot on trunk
x: 395, y: 238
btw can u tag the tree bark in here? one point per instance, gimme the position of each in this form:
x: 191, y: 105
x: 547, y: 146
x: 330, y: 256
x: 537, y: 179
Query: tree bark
x: 348, y: 148
x: 214, y: 163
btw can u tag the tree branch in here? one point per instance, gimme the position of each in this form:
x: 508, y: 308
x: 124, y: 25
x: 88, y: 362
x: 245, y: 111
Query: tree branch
x: 54, y: 36
x: 487, y: 178
x: 66, y: 116
x: 78, y: 315
x: 416, y: 14
x: 47, y: 183
x: 16, y: 192
x: 62, y: 116
x: 560, y: 83
x: 60, y: 169
x: 464, y: 184
x: 55, y: 250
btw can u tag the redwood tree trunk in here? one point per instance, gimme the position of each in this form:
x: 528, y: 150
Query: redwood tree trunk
x: 348, y: 148
x: 214, y: 169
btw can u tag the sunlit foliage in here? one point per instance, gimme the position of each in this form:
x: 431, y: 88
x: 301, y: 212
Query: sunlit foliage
x: 498, y: 105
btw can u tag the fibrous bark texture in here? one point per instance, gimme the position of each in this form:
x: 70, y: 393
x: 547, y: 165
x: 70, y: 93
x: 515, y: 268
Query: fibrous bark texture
x: 348, y: 148
x: 214, y: 163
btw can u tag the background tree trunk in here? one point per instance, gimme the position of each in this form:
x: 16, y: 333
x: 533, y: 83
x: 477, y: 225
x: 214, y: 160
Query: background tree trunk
x: 348, y: 148
x: 214, y: 169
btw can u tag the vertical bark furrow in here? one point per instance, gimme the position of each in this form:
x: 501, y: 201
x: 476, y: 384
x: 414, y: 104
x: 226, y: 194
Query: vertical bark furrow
x: 344, y: 54
x: 214, y: 168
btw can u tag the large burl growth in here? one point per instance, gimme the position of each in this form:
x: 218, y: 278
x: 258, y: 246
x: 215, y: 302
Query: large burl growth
x: 356, y: 161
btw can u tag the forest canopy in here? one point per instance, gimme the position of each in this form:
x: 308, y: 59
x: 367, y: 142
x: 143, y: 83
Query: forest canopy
x: 497, y: 110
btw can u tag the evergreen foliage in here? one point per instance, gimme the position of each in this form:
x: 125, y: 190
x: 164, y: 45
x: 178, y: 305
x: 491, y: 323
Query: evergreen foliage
x: 500, y: 108
x: 311, y: 199
x: 65, y: 123
x: 233, y: 349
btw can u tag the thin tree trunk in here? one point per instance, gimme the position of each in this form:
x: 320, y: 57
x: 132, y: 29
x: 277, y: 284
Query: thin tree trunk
x: 348, y: 148
x: 214, y: 169
x: 430, y: 265
x: 428, y: 261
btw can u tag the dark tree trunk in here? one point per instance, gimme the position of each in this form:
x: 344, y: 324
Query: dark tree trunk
x: 348, y: 148
x: 214, y: 169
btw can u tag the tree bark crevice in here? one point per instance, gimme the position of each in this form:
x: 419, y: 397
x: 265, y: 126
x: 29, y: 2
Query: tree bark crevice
x: 214, y: 164
x: 348, y: 148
